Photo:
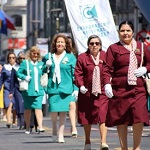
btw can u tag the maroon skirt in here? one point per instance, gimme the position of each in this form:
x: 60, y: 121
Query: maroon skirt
x: 92, y: 109
x: 127, y: 107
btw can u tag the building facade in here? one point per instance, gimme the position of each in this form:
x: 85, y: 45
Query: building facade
x: 15, y: 40
x: 36, y: 19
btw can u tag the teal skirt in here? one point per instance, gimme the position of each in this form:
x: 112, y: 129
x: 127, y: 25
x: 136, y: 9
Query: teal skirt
x: 149, y: 103
x: 32, y: 102
x: 60, y: 102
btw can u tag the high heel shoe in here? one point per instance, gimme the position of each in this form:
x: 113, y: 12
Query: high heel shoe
x: 74, y: 134
x: 8, y: 125
x: 40, y: 130
x: 61, y: 140
x: 36, y: 129
x: 104, y: 146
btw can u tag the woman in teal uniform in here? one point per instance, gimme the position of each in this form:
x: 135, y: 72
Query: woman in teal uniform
x: 61, y: 89
x: 34, y: 95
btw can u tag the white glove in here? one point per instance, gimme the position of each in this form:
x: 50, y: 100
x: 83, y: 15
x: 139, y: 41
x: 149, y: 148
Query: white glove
x: 140, y: 71
x: 83, y: 90
x: 19, y: 79
x: 28, y: 78
x: 48, y: 63
x: 108, y: 91
x: 75, y: 94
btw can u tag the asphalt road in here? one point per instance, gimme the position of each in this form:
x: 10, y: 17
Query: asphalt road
x: 15, y: 139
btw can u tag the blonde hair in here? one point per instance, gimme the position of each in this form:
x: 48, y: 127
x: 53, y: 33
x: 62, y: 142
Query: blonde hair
x: 32, y: 50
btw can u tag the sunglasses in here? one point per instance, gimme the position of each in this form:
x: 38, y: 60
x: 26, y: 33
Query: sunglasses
x: 12, y: 57
x: 96, y: 43
x: 21, y: 58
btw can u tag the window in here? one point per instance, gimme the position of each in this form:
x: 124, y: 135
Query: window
x: 17, y: 22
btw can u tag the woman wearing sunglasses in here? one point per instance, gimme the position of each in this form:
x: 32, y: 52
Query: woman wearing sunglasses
x: 14, y: 91
x: 92, y: 102
x: 9, y: 102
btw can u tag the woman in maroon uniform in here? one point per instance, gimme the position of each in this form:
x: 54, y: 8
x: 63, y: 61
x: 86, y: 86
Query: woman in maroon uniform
x: 92, y: 102
x: 125, y: 87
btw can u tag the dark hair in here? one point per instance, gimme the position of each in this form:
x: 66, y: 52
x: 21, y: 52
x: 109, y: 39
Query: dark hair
x: 94, y: 36
x: 74, y: 48
x: 10, y: 54
x: 128, y: 23
x: 53, y: 45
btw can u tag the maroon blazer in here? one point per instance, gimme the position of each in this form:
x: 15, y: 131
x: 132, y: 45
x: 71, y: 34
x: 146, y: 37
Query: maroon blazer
x: 84, y: 70
x: 129, y: 103
x: 117, y: 63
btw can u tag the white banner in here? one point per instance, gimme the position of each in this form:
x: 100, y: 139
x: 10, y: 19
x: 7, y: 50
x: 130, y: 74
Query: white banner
x: 89, y: 17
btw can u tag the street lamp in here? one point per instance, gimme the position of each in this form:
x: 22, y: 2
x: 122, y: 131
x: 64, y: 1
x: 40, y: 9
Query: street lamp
x: 35, y: 24
x: 55, y: 12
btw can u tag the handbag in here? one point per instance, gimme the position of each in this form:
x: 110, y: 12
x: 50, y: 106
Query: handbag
x: 146, y: 76
x: 23, y: 84
x: 1, y: 97
x: 44, y: 77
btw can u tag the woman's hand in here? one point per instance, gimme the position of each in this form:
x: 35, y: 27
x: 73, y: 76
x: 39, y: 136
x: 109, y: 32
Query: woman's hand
x: 83, y: 90
x: 108, y: 91
x: 48, y: 63
x: 140, y: 71
x: 28, y: 78
x: 10, y: 96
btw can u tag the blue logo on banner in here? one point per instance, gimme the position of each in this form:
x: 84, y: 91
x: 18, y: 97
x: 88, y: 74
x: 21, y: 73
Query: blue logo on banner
x: 88, y: 12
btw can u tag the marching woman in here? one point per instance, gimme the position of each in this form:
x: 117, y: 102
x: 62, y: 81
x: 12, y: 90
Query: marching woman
x: 61, y: 89
x: 125, y: 86
x: 14, y: 91
x: 92, y: 102
x: 9, y: 103
x: 33, y: 96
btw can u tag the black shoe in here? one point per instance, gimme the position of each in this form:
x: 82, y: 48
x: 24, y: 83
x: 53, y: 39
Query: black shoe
x: 36, y: 130
x: 8, y: 125
x: 30, y: 130
x: 40, y: 130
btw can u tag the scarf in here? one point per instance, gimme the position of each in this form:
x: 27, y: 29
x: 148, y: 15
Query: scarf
x: 35, y: 69
x: 132, y: 62
x: 57, y: 73
x: 96, y: 83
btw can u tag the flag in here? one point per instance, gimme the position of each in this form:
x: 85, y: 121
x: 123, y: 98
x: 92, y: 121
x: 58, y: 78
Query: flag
x: 9, y: 21
x: 6, y: 22
x: 3, y: 25
x: 91, y: 17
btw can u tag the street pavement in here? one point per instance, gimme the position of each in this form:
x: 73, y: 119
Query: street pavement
x: 15, y: 139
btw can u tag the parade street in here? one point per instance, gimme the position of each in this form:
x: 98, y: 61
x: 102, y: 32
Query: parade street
x: 15, y: 139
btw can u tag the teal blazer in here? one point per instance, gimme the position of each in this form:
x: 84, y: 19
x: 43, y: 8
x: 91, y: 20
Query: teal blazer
x: 22, y: 73
x: 67, y: 66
